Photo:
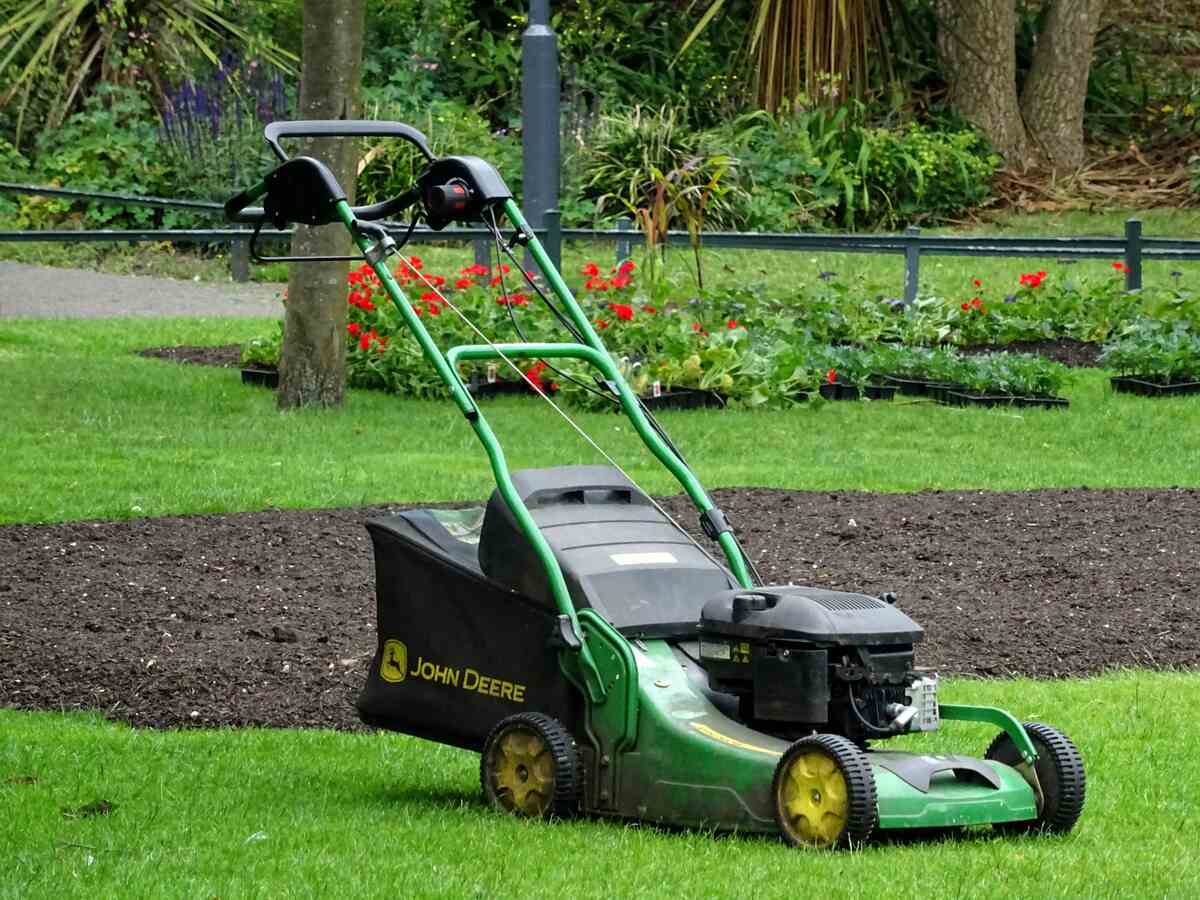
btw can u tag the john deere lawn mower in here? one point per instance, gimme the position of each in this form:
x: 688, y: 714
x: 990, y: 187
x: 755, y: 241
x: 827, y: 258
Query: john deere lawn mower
x: 601, y: 660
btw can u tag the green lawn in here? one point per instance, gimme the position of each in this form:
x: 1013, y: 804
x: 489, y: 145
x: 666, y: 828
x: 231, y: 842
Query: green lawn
x: 93, y: 431
x: 240, y: 813
x: 90, y: 430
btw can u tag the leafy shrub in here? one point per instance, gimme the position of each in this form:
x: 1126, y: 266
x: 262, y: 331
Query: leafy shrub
x: 823, y: 167
x: 111, y: 145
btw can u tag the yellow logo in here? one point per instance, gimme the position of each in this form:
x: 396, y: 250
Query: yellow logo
x: 394, y: 664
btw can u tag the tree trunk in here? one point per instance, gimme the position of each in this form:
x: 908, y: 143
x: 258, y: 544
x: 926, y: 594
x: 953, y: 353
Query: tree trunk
x: 312, y: 365
x: 977, y: 42
x: 1056, y: 88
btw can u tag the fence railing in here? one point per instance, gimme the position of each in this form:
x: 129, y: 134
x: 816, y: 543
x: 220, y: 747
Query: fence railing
x: 1133, y: 248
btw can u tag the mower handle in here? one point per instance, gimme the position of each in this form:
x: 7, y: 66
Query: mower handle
x: 343, y: 128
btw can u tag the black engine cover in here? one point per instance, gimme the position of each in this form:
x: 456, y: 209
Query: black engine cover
x: 790, y: 612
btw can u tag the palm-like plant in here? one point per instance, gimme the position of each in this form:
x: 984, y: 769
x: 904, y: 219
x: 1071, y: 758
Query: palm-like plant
x: 815, y: 48
x: 79, y: 43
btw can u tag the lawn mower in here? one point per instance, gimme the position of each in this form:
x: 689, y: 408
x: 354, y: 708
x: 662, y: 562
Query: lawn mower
x: 601, y: 660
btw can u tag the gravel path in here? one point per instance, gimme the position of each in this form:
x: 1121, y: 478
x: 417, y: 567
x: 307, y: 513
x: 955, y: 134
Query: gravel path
x: 44, y: 293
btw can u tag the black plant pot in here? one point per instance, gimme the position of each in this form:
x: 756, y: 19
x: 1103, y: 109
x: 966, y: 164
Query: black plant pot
x: 685, y: 398
x: 502, y: 388
x: 262, y: 376
x: 840, y: 390
x: 963, y: 398
x: 1147, y: 386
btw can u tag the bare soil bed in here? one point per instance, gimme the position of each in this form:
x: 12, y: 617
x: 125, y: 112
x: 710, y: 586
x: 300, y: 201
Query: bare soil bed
x: 268, y: 618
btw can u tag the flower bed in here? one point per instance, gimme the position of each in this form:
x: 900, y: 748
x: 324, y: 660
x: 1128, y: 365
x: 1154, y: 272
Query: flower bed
x: 750, y: 347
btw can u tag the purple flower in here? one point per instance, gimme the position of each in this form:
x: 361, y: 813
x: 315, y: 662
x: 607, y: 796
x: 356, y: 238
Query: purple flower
x: 1011, y: 298
x: 825, y: 276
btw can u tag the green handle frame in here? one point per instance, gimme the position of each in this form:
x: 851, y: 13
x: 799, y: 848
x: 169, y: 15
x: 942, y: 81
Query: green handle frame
x: 594, y: 353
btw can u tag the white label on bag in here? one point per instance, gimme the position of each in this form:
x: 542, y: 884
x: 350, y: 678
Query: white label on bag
x: 656, y: 389
x: 492, y: 374
x: 643, y: 559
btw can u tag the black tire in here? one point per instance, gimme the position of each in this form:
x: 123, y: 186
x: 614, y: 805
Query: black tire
x: 843, y: 807
x: 530, y: 767
x: 1060, y: 772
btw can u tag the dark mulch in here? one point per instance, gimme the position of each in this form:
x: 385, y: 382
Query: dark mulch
x: 268, y: 618
x: 1068, y: 351
x: 226, y: 356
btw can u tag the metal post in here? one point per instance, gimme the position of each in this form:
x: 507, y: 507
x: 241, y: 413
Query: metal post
x: 483, y: 253
x: 912, y: 262
x: 539, y: 115
x: 553, y: 240
x: 239, y: 259
x: 624, y: 245
x: 1133, y: 254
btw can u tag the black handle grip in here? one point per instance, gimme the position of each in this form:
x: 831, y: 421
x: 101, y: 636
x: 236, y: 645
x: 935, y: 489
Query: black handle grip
x: 238, y: 208
x: 343, y: 128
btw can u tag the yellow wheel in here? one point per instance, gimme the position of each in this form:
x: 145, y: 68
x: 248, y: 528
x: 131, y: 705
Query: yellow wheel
x: 824, y: 793
x: 530, y: 767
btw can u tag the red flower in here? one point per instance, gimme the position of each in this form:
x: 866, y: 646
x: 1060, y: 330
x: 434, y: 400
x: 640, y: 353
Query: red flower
x: 626, y: 267
x: 435, y: 280
x: 495, y: 282
x: 966, y: 306
x: 364, y: 342
x: 431, y: 297
x: 601, y: 324
x: 695, y: 326
x: 731, y: 324
x: 591, y: 270
x: 531, y: 275
x: 367, y: 305
x: 1032, y: 279
x: 976, y: 302
x: 512, y: 299
x: 415, y: 262
x: 650, y: 309
x: 434, y: 309
x: 831, y: 376
x: 354, y: 278
x: 976, y: 282
x: 354, y: 328
x: 623, y: 311
x: 596, y: 284
x: 477, y: 269
x: 620, y: 281
x: 503, y: 267
x: 464, y: 283
x: 1119, y: 266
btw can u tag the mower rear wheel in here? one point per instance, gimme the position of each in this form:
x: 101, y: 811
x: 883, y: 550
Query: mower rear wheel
x: 530, y: 767
x: 1060, y: 774
x: 824, y: 793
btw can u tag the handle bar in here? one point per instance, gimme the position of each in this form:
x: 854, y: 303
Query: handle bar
x: 344, y: 128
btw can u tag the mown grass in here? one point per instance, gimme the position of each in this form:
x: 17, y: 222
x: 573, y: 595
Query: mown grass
x: 780, y: 271
x: 238, y: 813
x: 94, y: 431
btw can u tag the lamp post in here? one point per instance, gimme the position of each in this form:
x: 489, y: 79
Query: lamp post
x: 540, y: 120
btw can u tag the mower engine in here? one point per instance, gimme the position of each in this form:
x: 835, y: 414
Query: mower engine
x: 806, y: 659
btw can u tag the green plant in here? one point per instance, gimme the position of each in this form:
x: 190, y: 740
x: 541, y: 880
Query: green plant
x: 263, y: 351
x: 1164, y: 351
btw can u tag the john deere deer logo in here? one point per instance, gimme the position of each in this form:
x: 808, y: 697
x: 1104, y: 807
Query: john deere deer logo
x: 394, y: 663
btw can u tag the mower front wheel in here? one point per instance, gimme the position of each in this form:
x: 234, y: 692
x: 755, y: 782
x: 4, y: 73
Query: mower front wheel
x: 824, y: 793
x: 1060, y: 775
x: 530, y: 767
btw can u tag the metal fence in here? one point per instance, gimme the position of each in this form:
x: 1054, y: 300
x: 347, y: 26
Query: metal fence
x: 1133, y: 248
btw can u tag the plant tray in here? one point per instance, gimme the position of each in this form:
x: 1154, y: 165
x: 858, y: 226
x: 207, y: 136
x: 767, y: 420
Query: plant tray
x: 840, y: 390
x: 685, y: 398
x: 1144, y: 387
x: 918, y: 387
x: 261, y: 376
x: 961, y: 398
